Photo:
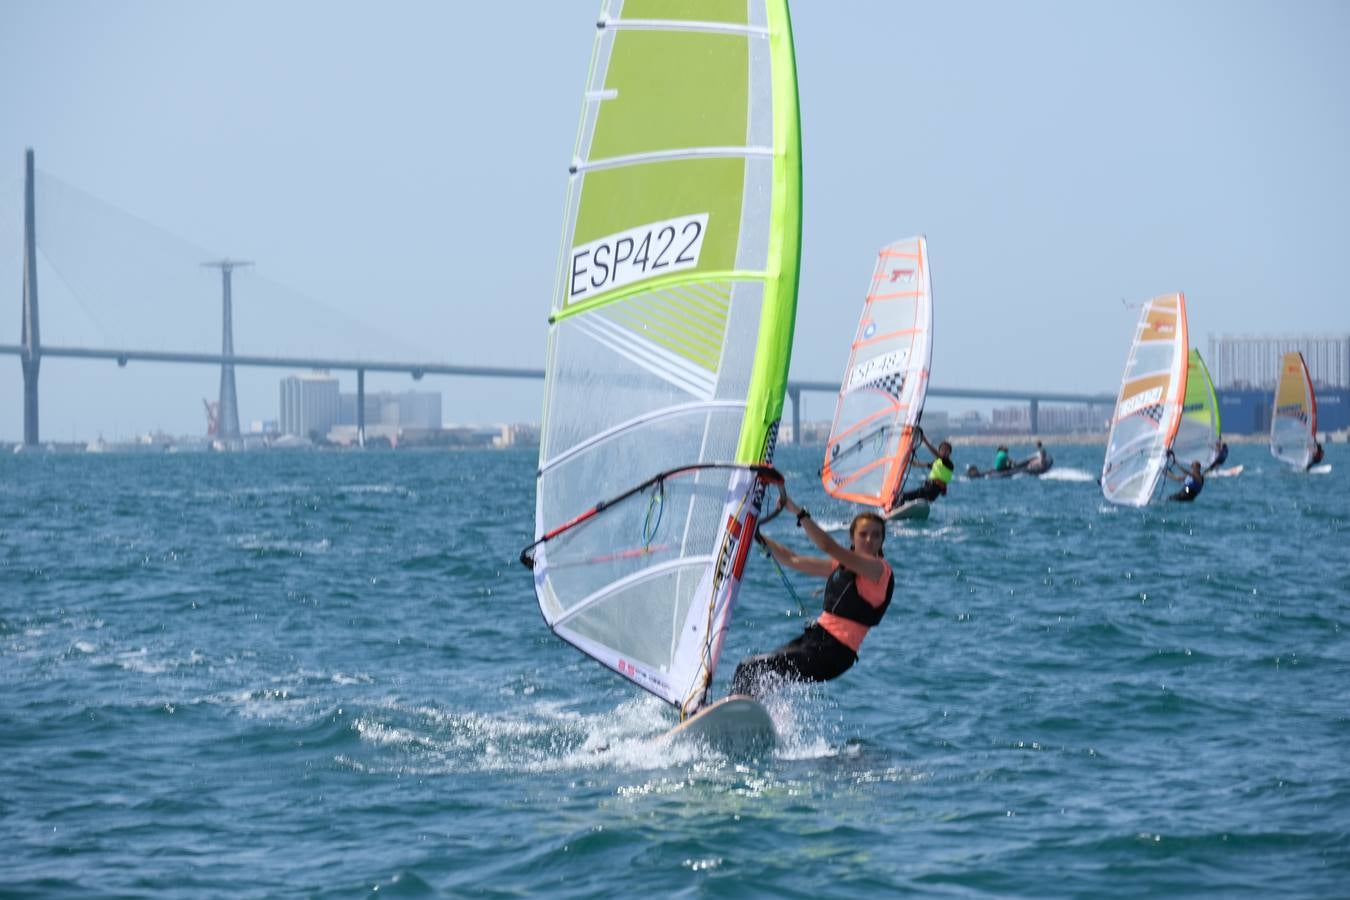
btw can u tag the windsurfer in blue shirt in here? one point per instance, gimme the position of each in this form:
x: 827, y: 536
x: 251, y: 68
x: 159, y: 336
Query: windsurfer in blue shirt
x: 1220, y: 456
x: 1191, y: 483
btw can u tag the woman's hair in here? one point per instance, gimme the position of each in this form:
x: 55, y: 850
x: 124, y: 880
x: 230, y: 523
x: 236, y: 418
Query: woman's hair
x: 865, y: 517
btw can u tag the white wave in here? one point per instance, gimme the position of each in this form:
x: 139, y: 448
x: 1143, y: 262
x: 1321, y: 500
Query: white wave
x: 266, y: 704
x: 378, y: 489
x: 140, y: 661
x: 1068, y: 474
x: 269, y: 544
x: 551, y: 737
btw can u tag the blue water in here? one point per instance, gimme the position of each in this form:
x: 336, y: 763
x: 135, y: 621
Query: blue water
x: 307, y: 674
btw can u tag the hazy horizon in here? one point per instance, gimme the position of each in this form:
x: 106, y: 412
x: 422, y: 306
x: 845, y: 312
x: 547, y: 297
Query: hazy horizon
x: 397, y: 176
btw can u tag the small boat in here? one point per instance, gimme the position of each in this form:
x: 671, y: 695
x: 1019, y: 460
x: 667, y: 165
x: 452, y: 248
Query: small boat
x: 1034, y: 467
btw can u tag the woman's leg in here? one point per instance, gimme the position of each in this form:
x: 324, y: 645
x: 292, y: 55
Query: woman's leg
x: 814, y: 655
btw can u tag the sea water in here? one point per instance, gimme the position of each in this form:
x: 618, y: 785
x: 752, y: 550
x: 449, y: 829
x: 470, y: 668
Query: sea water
x: 325, y: 674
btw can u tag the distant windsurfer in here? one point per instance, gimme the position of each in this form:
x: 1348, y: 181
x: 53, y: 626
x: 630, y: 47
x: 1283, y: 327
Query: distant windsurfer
x: 857, y: 593
x: 1220, y: 456
x: 1192, y: 482
x: 1316, y: 457
x: 939, y: 474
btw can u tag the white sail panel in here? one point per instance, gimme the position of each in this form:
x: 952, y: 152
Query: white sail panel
x: 1148, y: 407
x: 885, y: 382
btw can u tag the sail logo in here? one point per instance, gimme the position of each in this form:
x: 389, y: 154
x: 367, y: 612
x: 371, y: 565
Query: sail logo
x: 904, y: 276
x: 628, y: 257
x: 1139, y: 401
x: 877, y: 367
x: 1162, y: 326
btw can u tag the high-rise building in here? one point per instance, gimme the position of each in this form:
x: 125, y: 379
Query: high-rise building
x: 408, y: 409
x: 309, y: 404
x: 1253, y: 361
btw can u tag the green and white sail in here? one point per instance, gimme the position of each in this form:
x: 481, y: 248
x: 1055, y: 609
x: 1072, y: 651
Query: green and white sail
x: 1198, y: 434
x: 670, y: 334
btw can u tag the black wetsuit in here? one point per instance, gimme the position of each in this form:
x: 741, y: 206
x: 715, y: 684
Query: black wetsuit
x: 930, y: 490
x: 1190, y: 489
x: 815, y: 654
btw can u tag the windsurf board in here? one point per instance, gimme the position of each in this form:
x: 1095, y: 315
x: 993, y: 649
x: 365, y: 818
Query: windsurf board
x: 735, y: 722
x: 914, y: 509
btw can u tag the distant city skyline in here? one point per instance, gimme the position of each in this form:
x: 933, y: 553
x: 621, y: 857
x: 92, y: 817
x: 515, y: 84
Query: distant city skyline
x: 398, y: 177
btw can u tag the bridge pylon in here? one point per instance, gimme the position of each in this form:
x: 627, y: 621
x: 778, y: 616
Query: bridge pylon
x: 30, y: 357
x: 227, y: 416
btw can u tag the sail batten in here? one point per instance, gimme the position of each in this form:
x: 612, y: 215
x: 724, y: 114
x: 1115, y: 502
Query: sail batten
x: 684, y: 25
x: 1149, y: 405
x: 615, y: 162
x: 669, y: 335
x: 885, y: 381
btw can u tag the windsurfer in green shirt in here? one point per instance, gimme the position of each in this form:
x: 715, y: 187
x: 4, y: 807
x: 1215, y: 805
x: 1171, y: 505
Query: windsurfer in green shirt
x: 939, y: 474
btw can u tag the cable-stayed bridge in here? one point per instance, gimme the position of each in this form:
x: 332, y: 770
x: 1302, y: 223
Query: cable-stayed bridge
x: 31, y: 350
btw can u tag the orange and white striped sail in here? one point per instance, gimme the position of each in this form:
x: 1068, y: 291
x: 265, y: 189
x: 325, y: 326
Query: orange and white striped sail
x: 1293, y: 421
x: 886, y: 381
x: 1148, y: 409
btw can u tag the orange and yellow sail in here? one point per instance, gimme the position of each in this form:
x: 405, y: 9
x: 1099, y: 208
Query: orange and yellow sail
x: 1149, y: 406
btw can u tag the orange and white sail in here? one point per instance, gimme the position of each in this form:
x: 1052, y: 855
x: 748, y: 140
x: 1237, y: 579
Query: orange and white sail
x: 1293, y: 421
x: 1149, y: 406
x: 885, y: 382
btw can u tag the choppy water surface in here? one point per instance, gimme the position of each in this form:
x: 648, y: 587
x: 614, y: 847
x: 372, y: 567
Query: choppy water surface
x: 326, y: 675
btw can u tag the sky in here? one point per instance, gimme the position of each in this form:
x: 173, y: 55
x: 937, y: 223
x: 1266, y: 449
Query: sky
x: 397, y: 172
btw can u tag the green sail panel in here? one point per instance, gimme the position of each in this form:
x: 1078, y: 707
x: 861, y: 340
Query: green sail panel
x: 1198, y: 434
x: 670, y: 333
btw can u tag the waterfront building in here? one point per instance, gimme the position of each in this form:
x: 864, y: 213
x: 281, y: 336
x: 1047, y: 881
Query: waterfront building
x: 405, y: 409
x: 309, y: 404
x: 1244, y: 362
